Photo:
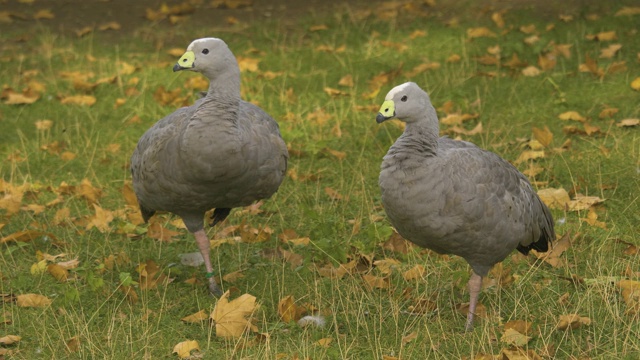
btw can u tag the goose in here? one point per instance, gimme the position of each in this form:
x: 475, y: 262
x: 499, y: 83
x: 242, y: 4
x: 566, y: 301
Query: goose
x: 219, y: 153
x: 453, y: 197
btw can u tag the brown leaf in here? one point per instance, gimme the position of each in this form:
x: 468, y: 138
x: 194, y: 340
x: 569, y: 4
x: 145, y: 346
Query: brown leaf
x: 25, y: 236
x: 628, y: 123
x: 531, y: 71
x: 346, y: 80
x: 521, y: 326
x: 73, y: 344
x: 628, y: 11
x: 572, y: 321
x: 10, y: 339
x: 18, y: 98
x: 233, y: 276
x: 324, y: 342
x: 514, y: 338
x: 552, y: 257
x: 410, y: 337
x: 635, y: 84
x: 159, y: 232
x: 496, y: 17
x: 608, y: 112
x: 544, y: 136
x: 43, y: 14
x: 101, y: 219
x: 233, y: 318
x: 481, y: 310
x: 84, y: 100
x: 198, y: 317
x: 184, y: 349
x: 248, y: 64
x: 631, y: 295
x: 375, y: 282
x: 572, y: 115
x: 603, y: 36
x: 415, y: 273
x: 397, y: 243
x: 610, y: 51
x: 150, y: 275
x: 519, y: 354
x: 58, y: 272
x: 33, y: 300
x: 477, y: 32
x: 334, y: 92
x: 385, y: 266
x: 289, y: 311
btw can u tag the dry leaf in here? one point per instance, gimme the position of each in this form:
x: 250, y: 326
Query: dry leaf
x: 58, y: 272
x: 84, y: 100
x: 346, y: 80
x: 184, y: 349
x: 631, y: 295
x: 233, y: 318
x: 529, y: 155
x: 198, y: 317
x: 289, y: 311
x: 572, y: 321
x: 43, y: 14
x: 33, y: 300
x: 609, y: 52
x: 572, y: 115
x: 18, y: 98
x: 628, y: 123
x: 544, y: 136
x: 10, y: 339
x: 397, y: 243
x: 635, y: 84
x: 521, y: 326
x: 531, y: 71
x: 514, y: 338
x: 603, y: 36
x: 415, y: 273
x: 628, y: 11
x: 480, y: 32
x: 552, y: 257
x: 410, y: 337
x: 497, y: 19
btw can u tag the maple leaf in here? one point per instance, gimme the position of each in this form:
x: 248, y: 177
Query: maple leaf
x: 159, y: 232
x: 630, y: 295
x: 10, y: 339
x: 416, y: 272
x: 552, y: 257
x: 233, y: 318
x: 198, y: 317
x: 101, y: 219
x: 58, y: 272
x: 375, y: 282
x: 515, y: 338
x: 183, y: 349
x: 150, y: 275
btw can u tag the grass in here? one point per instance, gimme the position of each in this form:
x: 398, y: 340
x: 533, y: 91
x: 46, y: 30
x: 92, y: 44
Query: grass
x: 363, y: 323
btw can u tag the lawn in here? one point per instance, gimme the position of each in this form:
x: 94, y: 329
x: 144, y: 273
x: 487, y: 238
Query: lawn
x: 558, y: 95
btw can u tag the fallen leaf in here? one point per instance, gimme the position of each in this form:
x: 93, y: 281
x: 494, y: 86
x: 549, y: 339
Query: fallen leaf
x: 73, y: 344
x: 334, y: 92
x: 528, y: 29
x: 101, y: 219
x: 514, y: 338
x: 628, y: 11
x: 346, y: 80
x: 416, y: 272
x: 84, y: 100
x: 531, y: 71
x: 385, y: 266
x: 248, y: 64
x: 410, y: 337
x: 544, y: 136
x: 481, y: 310
x: 603, y: 36
x: 572, y: 321
x: 159, y: 232
x: 521, y: 326
x: 113, y: 25
x: 552, y: 257
x: 610, y: 51
x: 233, y: 318
x: 324, y: 342
x: 635, y: 84
x: 19, y: 98
x: 572, y: 115
x: 529, y: 155
x: 184, y: 349
x: 33, y: 300
x: 58, y: 272
x: 581, y: 202
x: 519, y: 354
x: 628, y: 123
x: 496, y: 17
x: 10, y: 339
x: 592, y: 219
x: 198, y: 317
x: 43, y: 14
x: 480, y: 32
x: 233, y: 276
x: 150, y: 275
x: 289, y: 311
x: 630, y: 295
x: 375, y: 282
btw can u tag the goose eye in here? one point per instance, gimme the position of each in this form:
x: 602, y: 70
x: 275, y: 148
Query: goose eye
x: 205, y: 51
x: 404, y: 98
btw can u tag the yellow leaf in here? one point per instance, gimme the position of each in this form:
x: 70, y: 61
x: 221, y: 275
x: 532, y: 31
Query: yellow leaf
x: 175, y: 52
x: 603, y: 36
x: 521, y: 326
x: 233, y: 318
x: 410, y: 337
x: 10, y: 339
x: 101, y: 219
x: 44, y: 124
x: 628, y: 123
x: 58, y: 272
x: 552, y: 257
x: 44, y: 14
x: 528, y: 29
x: 631, y: 295
x: 480, y: 32
x: 39, y: 267
x: 185, y: 348
x: 515, y: 338
x: 324, y: 342
x: 198, y: 317
x: 109, y: 26
x: 289, y: 311
x: 531, y: 71
x: 497, y: 19
x: 33, y: 300
x: 85, y: 100
x: 248, y: 64
x: 635, y: 84
x: 609, y: 52
x: 544, y: 136
x: 572, y: 321
x: 416, y: 272
x: 334, y: 92
x: 18, y: 98
x: 572, y: 115
x: 346, y: 80
x: 375, y: 282
x: 628, y: 10
x: 529, y: 155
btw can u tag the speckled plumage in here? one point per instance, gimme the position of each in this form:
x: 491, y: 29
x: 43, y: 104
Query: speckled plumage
x: 221, y: 152
x: 453, y: 197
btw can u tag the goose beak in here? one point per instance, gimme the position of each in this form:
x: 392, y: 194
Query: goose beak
x: 387, y: 111
x: 186, y: 62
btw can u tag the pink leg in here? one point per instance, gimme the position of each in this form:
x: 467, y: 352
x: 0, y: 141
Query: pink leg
x: 203, y: 244
x: 475, y: 285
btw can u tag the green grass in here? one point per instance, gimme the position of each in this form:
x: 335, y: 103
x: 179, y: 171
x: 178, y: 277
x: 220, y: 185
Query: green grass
x: 362, y: 323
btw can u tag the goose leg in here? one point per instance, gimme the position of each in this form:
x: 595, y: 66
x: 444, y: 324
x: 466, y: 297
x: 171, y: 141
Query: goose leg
x: 475, y: 285
x: 203, y: 244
